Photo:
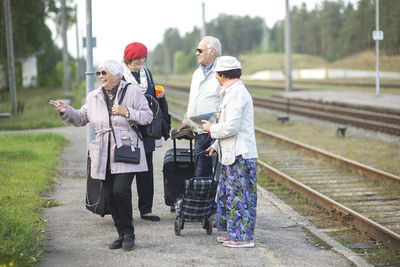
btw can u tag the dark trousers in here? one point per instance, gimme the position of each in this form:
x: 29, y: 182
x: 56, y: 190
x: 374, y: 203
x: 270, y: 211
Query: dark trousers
x: 204, y: 164
x: 118, y: 187
x: 145, y: 186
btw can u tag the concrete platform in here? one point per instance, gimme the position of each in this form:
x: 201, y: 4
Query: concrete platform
x: 76, y: 237
x: 385, y: 102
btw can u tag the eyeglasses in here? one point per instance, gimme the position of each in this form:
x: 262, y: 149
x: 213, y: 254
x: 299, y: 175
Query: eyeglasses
x: 140, y: 59
x: 101, y: 72
x: 201, y: 50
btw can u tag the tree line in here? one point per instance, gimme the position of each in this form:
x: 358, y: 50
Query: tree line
x: 335, y: 30
x: 31, y: 36
x: 332, y: 30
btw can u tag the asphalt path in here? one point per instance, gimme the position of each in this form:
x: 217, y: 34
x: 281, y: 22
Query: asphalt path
x: 77, y: 237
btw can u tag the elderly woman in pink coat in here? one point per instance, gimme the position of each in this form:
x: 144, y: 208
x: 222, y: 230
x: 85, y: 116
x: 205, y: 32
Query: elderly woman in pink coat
x: 117, y: 176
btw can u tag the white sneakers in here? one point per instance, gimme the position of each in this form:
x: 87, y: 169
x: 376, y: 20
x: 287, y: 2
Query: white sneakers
x: 223, y: 238
x: 235, y: 243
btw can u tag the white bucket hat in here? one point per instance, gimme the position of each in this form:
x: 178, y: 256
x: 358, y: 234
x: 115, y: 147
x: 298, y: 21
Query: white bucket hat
x: 225, y: 63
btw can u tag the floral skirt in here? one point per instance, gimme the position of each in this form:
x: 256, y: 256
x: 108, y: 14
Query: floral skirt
x: 237, y: 199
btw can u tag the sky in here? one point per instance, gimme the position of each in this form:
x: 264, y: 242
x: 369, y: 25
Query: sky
x: 117, y: 23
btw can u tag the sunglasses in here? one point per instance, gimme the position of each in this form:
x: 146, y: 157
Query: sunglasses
x: 101, y: 72
x: 202, y: 50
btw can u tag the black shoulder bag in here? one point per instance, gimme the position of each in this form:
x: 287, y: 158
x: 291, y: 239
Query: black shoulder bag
x: 124, y: 153
x: 96, y: 196
x: 151, y: 131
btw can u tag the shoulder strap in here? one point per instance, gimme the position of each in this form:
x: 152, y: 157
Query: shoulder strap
x: 134, y: 127
x: 150, y: 76
x: 123, y: 93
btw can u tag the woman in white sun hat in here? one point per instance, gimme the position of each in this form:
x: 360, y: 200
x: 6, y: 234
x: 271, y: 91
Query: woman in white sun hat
x: 236, y: 148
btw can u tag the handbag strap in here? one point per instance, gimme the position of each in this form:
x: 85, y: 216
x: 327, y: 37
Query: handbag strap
x: 134, y: 127
x: 149, y: 76
x: 110, y: 113
x: 121, y: 97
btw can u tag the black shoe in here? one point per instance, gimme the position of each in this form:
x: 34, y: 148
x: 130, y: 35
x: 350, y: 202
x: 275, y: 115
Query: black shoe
x: 153, y: 218
x: 128, y: 242
x: 116, y: 244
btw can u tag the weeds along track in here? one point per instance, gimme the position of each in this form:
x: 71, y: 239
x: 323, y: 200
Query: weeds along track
x: 363, y: 197
x: 382, y: 122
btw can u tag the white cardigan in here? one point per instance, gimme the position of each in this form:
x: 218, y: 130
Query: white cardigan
x: 235, y: 129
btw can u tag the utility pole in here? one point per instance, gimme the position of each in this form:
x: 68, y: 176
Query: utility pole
x: 203, y: 29
x: 89, y: 62
x: 378, y: 37
x: 10, y: 58
x: 288, y: 50
x: 67, y: 81
x: 78, y: 65
x: 167, y: 63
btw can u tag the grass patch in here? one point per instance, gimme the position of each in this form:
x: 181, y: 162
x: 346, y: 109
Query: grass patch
x: 37, y: 113
x: 367, y: 61
x: 276, y: 61
x: 27, y: 166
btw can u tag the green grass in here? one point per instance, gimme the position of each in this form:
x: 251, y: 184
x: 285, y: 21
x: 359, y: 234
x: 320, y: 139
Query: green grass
x: 276, y: 61
x: 27, y: 164
x: 367, y: 61
x: 37, y: 113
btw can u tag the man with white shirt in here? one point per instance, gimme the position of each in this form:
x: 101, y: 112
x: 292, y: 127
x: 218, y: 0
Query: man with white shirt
x: 204, y: 98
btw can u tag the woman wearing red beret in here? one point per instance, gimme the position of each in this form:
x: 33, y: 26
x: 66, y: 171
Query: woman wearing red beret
x: 134, y: 72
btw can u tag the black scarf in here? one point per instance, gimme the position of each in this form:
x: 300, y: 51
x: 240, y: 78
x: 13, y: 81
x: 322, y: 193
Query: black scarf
x: 109, y: 96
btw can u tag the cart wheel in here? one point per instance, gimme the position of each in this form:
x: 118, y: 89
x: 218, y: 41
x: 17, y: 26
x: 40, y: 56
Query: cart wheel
x: 209, y: 227
x: 177, y: 227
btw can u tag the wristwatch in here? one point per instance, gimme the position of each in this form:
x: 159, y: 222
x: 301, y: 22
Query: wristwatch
x: 127, y: 113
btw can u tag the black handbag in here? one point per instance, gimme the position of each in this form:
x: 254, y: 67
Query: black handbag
x: 125, y: 154
x: 96, y: 195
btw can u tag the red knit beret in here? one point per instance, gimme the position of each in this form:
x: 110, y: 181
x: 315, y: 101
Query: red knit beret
x: 135, y: 50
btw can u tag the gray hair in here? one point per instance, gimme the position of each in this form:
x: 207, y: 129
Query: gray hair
x: 113, y: 66
x: 214, y: 43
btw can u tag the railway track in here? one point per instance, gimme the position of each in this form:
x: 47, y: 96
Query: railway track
x: 338, y: 185
x: 382, y: 122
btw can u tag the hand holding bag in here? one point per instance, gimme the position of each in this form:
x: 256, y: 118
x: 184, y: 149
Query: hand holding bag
x: 124, y: 153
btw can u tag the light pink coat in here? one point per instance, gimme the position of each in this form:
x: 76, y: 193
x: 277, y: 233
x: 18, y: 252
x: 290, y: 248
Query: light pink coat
x: 95, y: 111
